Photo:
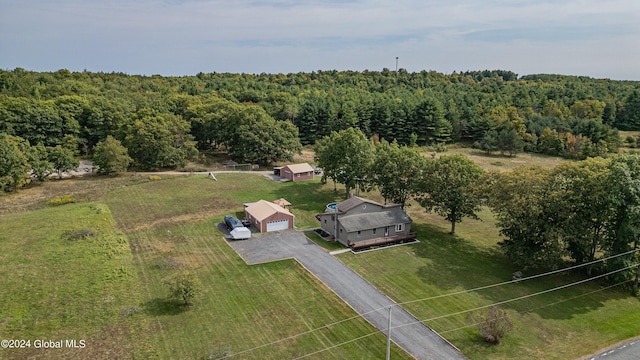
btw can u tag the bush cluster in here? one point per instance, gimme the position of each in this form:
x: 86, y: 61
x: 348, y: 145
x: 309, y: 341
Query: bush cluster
x: 61, y: 200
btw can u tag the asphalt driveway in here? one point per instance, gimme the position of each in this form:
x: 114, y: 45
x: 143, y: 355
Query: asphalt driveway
x: 406, y: 331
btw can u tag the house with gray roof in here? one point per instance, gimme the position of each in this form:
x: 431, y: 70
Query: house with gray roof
x: 359, y: 222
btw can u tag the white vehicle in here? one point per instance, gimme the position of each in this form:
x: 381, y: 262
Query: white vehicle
x: 240, y: 233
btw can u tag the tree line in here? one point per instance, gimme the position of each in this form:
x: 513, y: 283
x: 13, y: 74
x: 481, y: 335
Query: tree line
x: 163, y: 122
x: 573, y: 214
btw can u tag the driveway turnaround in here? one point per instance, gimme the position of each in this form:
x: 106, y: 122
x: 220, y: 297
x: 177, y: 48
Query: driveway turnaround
x: 406, y: 331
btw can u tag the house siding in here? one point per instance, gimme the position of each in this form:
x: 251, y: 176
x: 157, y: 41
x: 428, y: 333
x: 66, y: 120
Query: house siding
x: 368, y: 234
x: 327, y: 223
x: 291, y: 175
x: 303, y: 176
x: 261, y: 225
x: 276, y: 217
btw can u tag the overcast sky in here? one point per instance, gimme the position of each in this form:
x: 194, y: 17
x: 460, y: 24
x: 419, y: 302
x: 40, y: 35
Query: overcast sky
x: 596, y: 38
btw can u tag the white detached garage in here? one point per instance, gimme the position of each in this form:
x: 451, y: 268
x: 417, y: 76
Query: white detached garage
x: 267, y: 216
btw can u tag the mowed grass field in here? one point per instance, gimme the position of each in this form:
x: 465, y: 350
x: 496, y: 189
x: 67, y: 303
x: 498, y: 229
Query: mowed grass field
x: 107, y: 288
x: 563, y: 324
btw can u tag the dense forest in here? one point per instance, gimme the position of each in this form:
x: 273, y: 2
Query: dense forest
x: 265, y: 118
x: 49, y: 120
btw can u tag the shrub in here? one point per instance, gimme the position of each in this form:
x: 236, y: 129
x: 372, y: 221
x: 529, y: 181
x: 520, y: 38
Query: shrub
x: 493, y: 325
x: 77, y: 234
x: 61, y: 200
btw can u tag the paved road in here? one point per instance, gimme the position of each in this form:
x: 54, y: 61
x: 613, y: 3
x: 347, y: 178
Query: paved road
x: 628, y: 351
x: 407, y: 332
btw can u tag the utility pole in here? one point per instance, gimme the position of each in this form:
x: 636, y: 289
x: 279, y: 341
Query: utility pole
x: 335, y: 218
x: 389, y: 334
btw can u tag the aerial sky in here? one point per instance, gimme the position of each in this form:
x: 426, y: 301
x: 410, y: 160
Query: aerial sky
x: 594, y: 38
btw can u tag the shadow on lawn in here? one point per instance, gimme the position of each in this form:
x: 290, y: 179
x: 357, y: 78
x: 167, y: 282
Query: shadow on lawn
x: 163, y: 306
x: 307, y: 196
x: 455, y: 263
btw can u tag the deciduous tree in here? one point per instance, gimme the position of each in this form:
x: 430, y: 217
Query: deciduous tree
x: 528, y: 203
x: 159, y: 140
x: 258, y: 138
x: 449, y: 186
x: 184, y: 286
x: 14, y: 163
x: 39, y: 162
x: 62, y: 159
x: 394, y: 171
x: 111, y: 157
x: 345, y: 157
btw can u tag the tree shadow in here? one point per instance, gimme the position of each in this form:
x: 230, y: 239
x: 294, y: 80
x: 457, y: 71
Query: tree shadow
x: 454, y: 263
x: 164, y: 306
x: 306, y: 195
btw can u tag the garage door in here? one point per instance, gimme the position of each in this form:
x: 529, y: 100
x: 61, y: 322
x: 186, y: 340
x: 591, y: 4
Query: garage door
x: 277, y: 225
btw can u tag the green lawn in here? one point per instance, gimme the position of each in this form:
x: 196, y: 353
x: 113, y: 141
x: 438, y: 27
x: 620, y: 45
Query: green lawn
x: 99, y: 289
x: 57, y: 284
x: 246, y: 308
x: 562, y: 324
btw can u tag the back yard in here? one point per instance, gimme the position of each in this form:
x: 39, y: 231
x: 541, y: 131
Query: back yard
x: 95, y: 287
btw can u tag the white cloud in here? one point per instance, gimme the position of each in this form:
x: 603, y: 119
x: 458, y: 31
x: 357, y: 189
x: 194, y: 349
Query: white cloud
x: 588, y: 37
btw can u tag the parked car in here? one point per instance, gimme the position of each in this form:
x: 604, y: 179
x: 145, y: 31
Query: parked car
x: 232, y: 222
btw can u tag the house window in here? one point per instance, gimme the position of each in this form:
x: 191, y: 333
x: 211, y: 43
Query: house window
x: 373, y: 231
x: 325, y: 221
x: 340, y: 231
x: 359, y: 233
x: 298, y: 174
x: 399, y: 227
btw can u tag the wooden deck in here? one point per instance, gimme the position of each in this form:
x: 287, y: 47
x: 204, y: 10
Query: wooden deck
x: 358, y: 245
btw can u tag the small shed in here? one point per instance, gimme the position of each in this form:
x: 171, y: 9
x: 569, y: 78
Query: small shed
x: 267, y: 216
x: 297, y: 172
x: 282, y: 202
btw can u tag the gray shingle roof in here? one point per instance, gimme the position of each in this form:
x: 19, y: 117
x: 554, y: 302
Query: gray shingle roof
x: 353, y: 202
x: 359, y: 222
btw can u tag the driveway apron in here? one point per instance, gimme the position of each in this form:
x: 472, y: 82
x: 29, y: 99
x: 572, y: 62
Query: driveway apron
x: 406, y: 331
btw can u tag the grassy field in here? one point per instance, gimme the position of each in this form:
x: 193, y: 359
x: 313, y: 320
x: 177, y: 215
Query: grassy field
x: 563, y: 324
x: 107, y: 288
x: 498, y: 162
x: 67, y: 273
x: 62, y: 285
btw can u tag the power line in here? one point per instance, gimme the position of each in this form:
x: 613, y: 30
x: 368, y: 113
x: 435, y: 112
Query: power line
x: 519, y: 280
x: 337, y: 345
x: 470, y: 325
x: 519, y: 297
x: 476, y: 324
x: 441, y: 296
